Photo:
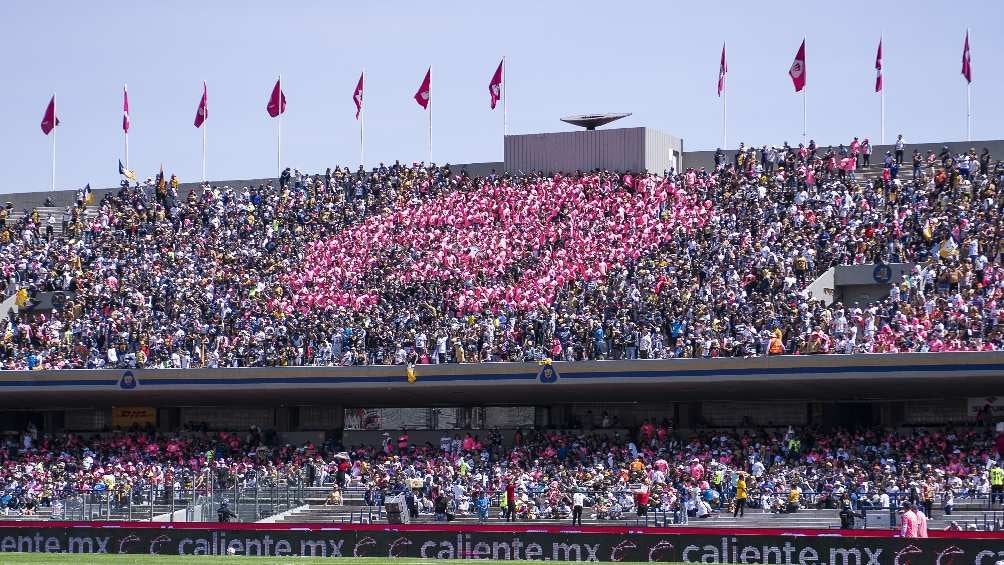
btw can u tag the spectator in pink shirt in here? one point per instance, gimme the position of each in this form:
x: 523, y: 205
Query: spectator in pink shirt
x: 910, y: 522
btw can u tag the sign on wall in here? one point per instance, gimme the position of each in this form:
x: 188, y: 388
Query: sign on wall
x: 126, y: 416
x: 473, y: 543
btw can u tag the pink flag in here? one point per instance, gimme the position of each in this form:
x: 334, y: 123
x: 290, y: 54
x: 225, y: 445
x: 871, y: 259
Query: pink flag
x: 203, y: 112
x: 878, y: 68
x: 495, y: 86
x: 125, y: 109
x: 967, y: 68
x: 357, y: 96
x: 49, y: 120
x: 424, y: 94
x: 276, y: 102
x: 723, y: 68
x: 797, y: 70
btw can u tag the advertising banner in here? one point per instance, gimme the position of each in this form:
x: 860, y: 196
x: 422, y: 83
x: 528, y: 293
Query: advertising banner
x: 126, y: 416
x: 664, y: 545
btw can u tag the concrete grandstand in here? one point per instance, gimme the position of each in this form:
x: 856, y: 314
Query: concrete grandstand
x: 893, y: 346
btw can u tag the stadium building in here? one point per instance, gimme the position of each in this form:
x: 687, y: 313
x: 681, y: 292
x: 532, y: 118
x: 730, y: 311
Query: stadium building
x: 370, y: 405
x: 356, y: 404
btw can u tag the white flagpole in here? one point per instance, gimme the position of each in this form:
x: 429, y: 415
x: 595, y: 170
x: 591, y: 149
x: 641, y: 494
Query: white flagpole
x: 278, y: 137
x: 882, y: 97
x: 804, y: 119
x: 204, y: 120
x: 969, y: 111
x: 430, y: 114
x: 505, y: 97
x: 362, y: 121
x: 125, y: 94
x: 882, y: 104
x: 52, y: 183
x: 805, y: 127
x: 725, y: 95
x: 969, y: 91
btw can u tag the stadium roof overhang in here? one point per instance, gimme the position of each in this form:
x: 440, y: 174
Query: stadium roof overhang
x: 815, y: 378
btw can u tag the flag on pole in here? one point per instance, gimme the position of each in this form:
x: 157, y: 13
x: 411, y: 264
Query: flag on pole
x: 357, y: 95
x: 495, y: 86
x: 723, y: 69
x: 797, y: 70
x: 161, y: 181
x: 126, y: 172
x: 203, y: 112
x: 967, y: 67
x: 276, y: 102
x: 125, y: 109
x: 49, y: 120
x: 424, y: 93
x: 88, y: 195
x: 878, y: 68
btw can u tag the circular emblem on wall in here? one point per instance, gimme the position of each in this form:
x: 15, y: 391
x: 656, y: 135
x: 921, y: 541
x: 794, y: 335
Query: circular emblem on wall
x: 547, y: 374
x: 882, y: 273
x: 128, y: 381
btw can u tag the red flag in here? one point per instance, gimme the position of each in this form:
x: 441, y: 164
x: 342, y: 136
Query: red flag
x: 967, y: 67
x: 49, y: 120
x: 276, y: 102
x: 797, y: 70
x: 125, y: 109
x: 203, y: 112
x: 495, y: 86
x: 723, y: 68
x: 878, y: 68
x: 357, y: 96
x: 424, y: 94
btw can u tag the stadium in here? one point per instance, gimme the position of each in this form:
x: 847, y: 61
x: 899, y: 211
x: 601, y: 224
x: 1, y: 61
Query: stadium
x: 604, y: 347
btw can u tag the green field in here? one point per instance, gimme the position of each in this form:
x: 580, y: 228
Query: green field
x: 64, y: 559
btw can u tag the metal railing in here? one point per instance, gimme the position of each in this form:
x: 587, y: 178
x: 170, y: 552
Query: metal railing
x: 250, y: 499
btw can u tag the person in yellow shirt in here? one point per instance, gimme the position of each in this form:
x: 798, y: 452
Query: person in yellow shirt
x: 793, y: 497
x: 741, y: 496
x: 637, y: 466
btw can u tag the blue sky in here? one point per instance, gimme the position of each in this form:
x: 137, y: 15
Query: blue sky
x: 658, y: 60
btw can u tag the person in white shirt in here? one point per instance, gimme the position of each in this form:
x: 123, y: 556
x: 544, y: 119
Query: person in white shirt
x: 578, y: 501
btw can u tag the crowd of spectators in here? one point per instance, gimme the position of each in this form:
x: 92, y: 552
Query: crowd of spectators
x: 425, y: 264
x: 47, y: 470
x: 532, y: 475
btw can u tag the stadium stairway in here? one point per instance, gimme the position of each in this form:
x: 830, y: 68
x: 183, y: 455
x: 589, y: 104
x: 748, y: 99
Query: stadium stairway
x: 45, y: 211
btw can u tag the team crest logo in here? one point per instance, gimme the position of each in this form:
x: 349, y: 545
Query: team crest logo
x: 547, y: 374
x: 796, y: 69
x: 882, y: 273
x: 128, y: 381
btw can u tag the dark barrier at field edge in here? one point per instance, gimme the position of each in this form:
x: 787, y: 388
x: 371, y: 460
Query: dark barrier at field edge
x: 650, y: 545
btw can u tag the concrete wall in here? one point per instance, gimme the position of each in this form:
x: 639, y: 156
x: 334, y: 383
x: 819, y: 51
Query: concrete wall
x: 479, y: 169
x: 518, y: 384
x: 699, y: 160
x: 619, y: 149
x: 855, y: 283
x: 822, y: 288
x: 662, y: 151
